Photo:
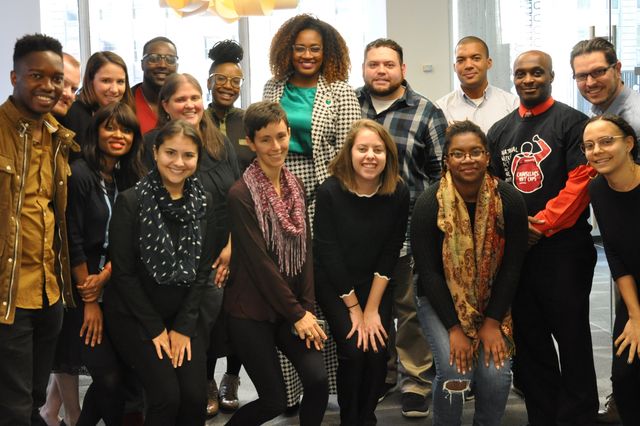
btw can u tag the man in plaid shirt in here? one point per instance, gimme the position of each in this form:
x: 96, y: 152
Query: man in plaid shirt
x: 417, y: 127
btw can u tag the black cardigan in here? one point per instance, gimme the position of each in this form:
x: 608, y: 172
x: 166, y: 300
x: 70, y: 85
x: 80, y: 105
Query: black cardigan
x: 426, y: 242
x: 133, y: 292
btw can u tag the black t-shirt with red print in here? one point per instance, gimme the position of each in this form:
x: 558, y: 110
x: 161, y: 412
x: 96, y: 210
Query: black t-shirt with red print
x: 536, y: 153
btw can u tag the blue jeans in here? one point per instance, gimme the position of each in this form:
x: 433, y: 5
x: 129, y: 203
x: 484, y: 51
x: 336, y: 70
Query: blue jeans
x: 491, y: 386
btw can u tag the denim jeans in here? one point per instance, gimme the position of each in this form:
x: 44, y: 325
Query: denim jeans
x: 491, y: 386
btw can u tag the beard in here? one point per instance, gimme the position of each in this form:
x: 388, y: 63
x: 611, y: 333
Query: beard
x: 382, y: 92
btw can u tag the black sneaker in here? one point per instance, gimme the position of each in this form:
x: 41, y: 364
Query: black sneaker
x: 386, y: 389
x: 414, y: 405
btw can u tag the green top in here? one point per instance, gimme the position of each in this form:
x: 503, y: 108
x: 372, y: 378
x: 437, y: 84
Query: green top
x: 298, y: 104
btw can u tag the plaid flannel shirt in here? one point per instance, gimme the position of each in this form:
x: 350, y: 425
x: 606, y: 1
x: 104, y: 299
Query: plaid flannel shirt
x: 417, y: 126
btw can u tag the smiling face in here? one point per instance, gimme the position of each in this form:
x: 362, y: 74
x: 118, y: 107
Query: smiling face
x: 532, y: 76
x: 37, y: 80
x: 307, y: 63
x: 471, y: 168
x: 271, y: 145
x: 114, y: 140
x: 383, y: 73
x: 599, y: 91
x: 71, y: 85
x: 471, y: 66
x: 176, y: 159
x: 608, y: 155
x: 226, y: 94
x: 368, y: 158
x: 156, y: 73
x: 185, y: 104
x: 109, y: 83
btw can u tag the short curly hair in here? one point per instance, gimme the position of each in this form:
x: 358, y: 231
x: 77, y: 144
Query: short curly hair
x: 335, y: 64
x: 35, y: 43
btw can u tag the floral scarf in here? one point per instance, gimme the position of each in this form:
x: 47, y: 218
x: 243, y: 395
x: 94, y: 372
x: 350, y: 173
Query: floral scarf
x: 281, y: 218
x: 166, y: 263
x: 471, y: 258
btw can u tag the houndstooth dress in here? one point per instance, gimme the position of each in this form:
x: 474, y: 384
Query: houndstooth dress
x: 335, y: 108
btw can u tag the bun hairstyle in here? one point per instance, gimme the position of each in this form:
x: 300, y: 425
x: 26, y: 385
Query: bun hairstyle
x: 226, y: 51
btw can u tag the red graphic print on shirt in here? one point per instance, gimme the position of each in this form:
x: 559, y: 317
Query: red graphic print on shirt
x: 525, y: 166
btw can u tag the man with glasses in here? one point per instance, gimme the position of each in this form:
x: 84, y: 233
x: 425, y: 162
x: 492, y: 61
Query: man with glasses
x: 537, y: 149
x: 598, y: 75
x: 159, y: 60
x: 597, y: 72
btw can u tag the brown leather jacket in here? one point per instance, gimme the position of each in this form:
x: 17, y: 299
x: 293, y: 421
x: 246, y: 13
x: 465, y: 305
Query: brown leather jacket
x: 15, y: 150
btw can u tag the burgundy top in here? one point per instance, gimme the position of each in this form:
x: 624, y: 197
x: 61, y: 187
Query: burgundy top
x: 257, y: 289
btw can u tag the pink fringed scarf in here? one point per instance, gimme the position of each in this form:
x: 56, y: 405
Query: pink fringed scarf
x: 281, y: 218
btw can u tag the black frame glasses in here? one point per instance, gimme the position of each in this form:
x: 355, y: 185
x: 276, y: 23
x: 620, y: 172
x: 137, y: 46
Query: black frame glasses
x: 475, y: 154
x: 595, y: 74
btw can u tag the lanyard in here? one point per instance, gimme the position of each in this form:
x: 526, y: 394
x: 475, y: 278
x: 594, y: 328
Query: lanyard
x: 105, y: 193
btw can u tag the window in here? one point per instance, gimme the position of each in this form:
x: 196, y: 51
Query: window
x: 123, y: 26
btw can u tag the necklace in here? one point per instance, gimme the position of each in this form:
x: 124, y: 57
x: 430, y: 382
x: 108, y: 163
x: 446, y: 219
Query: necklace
x: 630, y: 183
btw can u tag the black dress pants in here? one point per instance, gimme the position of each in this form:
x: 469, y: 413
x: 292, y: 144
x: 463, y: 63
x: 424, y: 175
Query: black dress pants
x: 174, y: 396
x: 552, y: 302
x: 255, y: 342
x: 626, y: 377
x: 27, y: 349
x: 360, y: 374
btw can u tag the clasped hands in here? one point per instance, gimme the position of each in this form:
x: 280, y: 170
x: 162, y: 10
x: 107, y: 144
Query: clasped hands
x: 175, y: 345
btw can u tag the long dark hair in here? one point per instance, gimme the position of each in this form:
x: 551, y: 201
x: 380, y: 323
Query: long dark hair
x: 130, y: 168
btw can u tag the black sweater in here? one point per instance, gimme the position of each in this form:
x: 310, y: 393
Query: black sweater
x: 355, y: 236
x: 426, y: 241
x: 617, y: 215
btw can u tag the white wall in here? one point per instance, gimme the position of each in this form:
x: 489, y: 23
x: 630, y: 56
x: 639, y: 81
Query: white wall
x: 22, y: 17
x: 422, y: 29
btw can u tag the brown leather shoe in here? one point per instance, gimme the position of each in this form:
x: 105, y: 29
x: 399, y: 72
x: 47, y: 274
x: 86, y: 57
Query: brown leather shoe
x: 212, y: 399
x: 229, y: 392
x: 610, y: 413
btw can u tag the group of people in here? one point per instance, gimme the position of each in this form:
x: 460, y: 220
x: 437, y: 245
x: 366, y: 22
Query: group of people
x: 329, y: 240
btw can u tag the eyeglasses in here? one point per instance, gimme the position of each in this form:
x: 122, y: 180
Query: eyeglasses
x: 300, y: 49
x: 597, y: 73
x: 475, y: 154
x: 602, y: 142
x: 155, y: 58
x: 221, y: 80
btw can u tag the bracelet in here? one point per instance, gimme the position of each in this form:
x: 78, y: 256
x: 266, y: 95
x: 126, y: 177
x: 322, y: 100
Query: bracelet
x: 353, y: 306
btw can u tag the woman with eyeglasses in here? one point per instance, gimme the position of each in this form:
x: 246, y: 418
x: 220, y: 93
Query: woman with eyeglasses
x: 469, y: 238
x: 225, y: 80
x: 310, y: 64
x: 610, y: 145
x: 105, y: 81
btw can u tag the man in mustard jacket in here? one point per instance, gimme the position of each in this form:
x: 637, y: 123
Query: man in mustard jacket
x: 34, y: 270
